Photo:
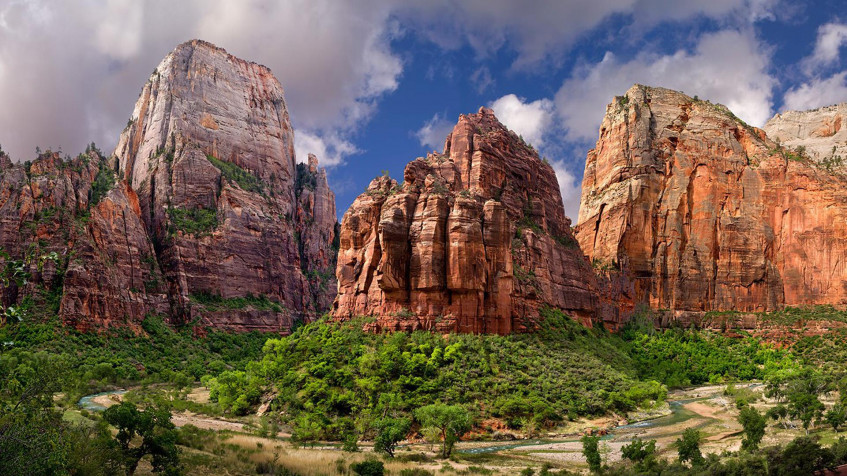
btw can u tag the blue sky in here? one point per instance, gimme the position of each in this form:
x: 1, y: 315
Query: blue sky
x: 373, y: 84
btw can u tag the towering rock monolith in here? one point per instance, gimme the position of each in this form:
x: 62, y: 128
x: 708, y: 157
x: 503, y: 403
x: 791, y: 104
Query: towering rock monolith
x: 475, y: 239
x: 202, y: 215
x: 700, y: 212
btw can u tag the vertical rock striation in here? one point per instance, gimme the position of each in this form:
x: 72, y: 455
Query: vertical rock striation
x: 692, y: 210
x: 201, y: 216
x: 474, y: 240
x: 210, y: 151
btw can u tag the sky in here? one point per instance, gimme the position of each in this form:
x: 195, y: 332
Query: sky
x: 372, y: 84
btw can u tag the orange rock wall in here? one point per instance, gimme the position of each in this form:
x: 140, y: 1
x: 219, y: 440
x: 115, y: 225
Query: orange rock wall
x: 700, y: 212
x: 474, y: 240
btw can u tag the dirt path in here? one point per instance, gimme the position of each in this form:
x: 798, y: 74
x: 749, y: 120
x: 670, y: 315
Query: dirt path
x: 205, y: 423
x: 186, y: 417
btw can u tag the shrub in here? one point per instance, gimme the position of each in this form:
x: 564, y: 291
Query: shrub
x: 368, y: 468
x: 232, y: 172
x: 194, y: 221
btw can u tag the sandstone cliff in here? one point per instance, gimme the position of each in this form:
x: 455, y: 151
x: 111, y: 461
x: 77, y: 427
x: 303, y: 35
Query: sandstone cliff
x: 820, y: 133
x: 73, y: 245
x: 694, y: 211
x: 206, y: 221
x: 474, y: 240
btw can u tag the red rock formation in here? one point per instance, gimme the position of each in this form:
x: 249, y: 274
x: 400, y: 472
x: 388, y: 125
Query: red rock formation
x: 113, y: 279
x: 210, y: 150
x: 474, y: 240
x: 701, y: 212
x: 82, y: 262
x: 206, y: 207
x: 317, y: 232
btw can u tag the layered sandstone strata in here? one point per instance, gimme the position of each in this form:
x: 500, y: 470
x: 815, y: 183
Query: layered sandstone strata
x: 700, y: 212
x: 474, y: 240
x: 200, y: 216
x: 209, y: 149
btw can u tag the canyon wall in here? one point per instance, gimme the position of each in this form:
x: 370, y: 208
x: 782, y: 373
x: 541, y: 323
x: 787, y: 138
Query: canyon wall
x: 696, y: 211
x: 205, y: 217
x: 821, y: 134
x: 474, y: 239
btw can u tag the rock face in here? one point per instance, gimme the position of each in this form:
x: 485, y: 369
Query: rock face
x: 317, y: 232
x: 821, y: 133
x: 77, y: 243
x: 209, y: 219
x: 473, y: 240
x: 690, y: 210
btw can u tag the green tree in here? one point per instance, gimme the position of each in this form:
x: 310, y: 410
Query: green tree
x: 157, y: 433
x: 804, y: 455
x: 802, y: 393
x: 591, y: 451
x: 688, y: 447
x: 778, y: 413
x: 638, y: 451
x: 754, y: 424
x: 452, y: 421
x: 390, y: 431
x: 836, y: 416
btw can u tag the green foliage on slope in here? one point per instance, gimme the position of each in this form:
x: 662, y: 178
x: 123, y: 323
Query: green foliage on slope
x: 334, y: 378
x: 90, y: 362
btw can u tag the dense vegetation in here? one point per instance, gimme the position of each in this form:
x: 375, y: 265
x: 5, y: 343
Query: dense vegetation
x: 103, y: 182
x: 193, y: 221
x: 334, y: 380
x: 90, y: 362
x: 232, y: 172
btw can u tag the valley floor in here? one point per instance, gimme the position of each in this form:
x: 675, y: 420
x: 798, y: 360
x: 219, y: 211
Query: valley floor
x: 233, y: 445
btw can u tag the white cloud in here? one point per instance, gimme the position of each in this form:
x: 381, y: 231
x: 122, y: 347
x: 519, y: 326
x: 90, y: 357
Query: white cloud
x: 481, y: 79
x: 434, y: 132
x: 71, y: 70
x: 330, y: 148
x: 79, y: 65
x: 540, y: 32
x: 831, y: 37
x: 817, y: 93
x: 729, y: 67
x: 570, y: 187
x: 120, y: 37
x: 531, y: 120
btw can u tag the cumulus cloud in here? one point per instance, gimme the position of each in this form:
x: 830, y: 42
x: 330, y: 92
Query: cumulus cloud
x: 831, y: 37
x: 570, y: 186
x: 820, y: 90
x: 330, y: 148
x: 728, y: 66
x: 434, y: 132
x: 817, y: 93
x: 531, y: 120
x: 71, y: 71
x: 541, y: 31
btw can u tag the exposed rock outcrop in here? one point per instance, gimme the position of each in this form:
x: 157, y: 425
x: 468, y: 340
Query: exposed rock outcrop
x: 79, y: 249
x: 207, y: 221
x: 474, y: 240
x: 701, y: 212
x: 210, y: 151
x: 820, y: 133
